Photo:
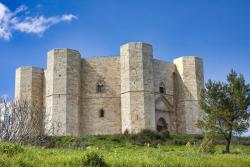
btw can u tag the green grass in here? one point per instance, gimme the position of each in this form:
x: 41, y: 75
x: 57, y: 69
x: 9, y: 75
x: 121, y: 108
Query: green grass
x: 118, y: 152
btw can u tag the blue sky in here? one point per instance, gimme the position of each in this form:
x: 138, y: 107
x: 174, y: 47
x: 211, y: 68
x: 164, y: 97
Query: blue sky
x: 216, y: 30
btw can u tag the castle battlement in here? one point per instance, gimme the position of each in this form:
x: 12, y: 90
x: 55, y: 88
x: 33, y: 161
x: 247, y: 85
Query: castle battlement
x: 108, y: 95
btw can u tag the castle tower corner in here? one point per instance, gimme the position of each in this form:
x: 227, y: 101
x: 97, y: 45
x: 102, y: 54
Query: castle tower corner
x: 189, y: 83
x: 137, y: 87
x: 29, y: 85
x: 63, y: 90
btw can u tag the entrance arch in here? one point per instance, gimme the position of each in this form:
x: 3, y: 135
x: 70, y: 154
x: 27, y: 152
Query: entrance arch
x: 161, y: 125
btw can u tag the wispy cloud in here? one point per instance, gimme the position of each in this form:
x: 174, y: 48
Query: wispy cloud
x: 11, y: 21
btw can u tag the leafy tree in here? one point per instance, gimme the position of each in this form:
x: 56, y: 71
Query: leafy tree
x: 226, y: 107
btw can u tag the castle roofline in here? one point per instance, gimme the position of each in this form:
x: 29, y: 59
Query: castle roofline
x: 63, y: 49
x: 101, y: 57
x: 164, y: 61
x: 189, y: 57
x: 30, y: 67
x: 137, y: 44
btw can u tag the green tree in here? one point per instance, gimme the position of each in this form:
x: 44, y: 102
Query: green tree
x: 226, y: 107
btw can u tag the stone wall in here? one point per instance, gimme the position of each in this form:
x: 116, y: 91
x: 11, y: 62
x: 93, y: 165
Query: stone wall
x: 107, y: 71
x: 164, y: 102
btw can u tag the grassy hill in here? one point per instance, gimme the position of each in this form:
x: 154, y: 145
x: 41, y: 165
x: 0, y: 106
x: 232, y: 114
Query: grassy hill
x: 117, y: 150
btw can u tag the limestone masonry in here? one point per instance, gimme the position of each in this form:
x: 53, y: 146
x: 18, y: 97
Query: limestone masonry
x: 109, y: 95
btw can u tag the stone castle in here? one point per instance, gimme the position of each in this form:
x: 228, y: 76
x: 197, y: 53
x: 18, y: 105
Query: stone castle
x: 109, y: 95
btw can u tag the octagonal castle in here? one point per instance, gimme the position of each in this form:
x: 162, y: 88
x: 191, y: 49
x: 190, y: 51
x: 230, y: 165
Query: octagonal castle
x: 108, y: 95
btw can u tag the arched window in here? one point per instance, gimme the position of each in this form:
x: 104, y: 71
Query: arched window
x: 101, y: 113
x: 100, y: 87
x: 162, y: 88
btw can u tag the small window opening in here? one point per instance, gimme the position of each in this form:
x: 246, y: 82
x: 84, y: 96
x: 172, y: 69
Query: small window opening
x: 162, y: 88
x: 100, y: 87
x: 101, y: 113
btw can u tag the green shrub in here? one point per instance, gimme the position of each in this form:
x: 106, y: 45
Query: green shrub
x: 150, y: 137
x: 199, y: 137
x: 93, y: 159
x: 126, y: 135
x: 208, y: 144
x: 10, y: 149
x: 117, y: 138
x: 101, y: 137
x: 179, y: 142
x: 64, y: 142
x: 4, y: 161
x: 183, y: 139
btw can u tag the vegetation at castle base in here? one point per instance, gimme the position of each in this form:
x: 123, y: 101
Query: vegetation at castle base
x: 123, y: 150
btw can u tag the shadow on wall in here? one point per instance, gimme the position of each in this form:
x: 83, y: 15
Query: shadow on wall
x: 187, y: 106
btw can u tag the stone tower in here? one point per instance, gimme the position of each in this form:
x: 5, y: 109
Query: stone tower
x: 189, y: 82
x: 137, y: 87
x: 29, y: 85
x: 29, y: 90
x: 63, y: 90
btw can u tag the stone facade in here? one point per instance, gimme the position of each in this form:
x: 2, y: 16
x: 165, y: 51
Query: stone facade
x: 110, y: 95
x: 29, y: 85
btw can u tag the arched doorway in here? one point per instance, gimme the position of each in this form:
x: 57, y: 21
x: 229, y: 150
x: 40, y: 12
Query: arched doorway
x: 161, y: 125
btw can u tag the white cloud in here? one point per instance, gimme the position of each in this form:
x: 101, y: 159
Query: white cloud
x: 3, y: 10
x: 4, y: 17
x: 68, y: 17
x: 14, y: 21
x: 20, y: 9
x: 39, y: 24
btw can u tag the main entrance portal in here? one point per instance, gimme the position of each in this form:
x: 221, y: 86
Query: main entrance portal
x: 162, y: 125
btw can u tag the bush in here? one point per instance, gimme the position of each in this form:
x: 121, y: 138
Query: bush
x: 101, y: 137
x: 150, y: 137
x: 4, y: 161
x: 208, y: 144
x: 183, y: 139
x: 93, y: 159
x: 10, y: 149
x: 198, y: 137
x: 179, y: 142
x: 64, y: 142
x: 117, y: 138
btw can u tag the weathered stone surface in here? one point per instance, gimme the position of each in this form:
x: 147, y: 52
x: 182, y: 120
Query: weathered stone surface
x: 164, y: 102
x: 109, y: 95
x: 189, y: 82
x: 107, y: 71
x: 63, y: 90
x: 29, y: 85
